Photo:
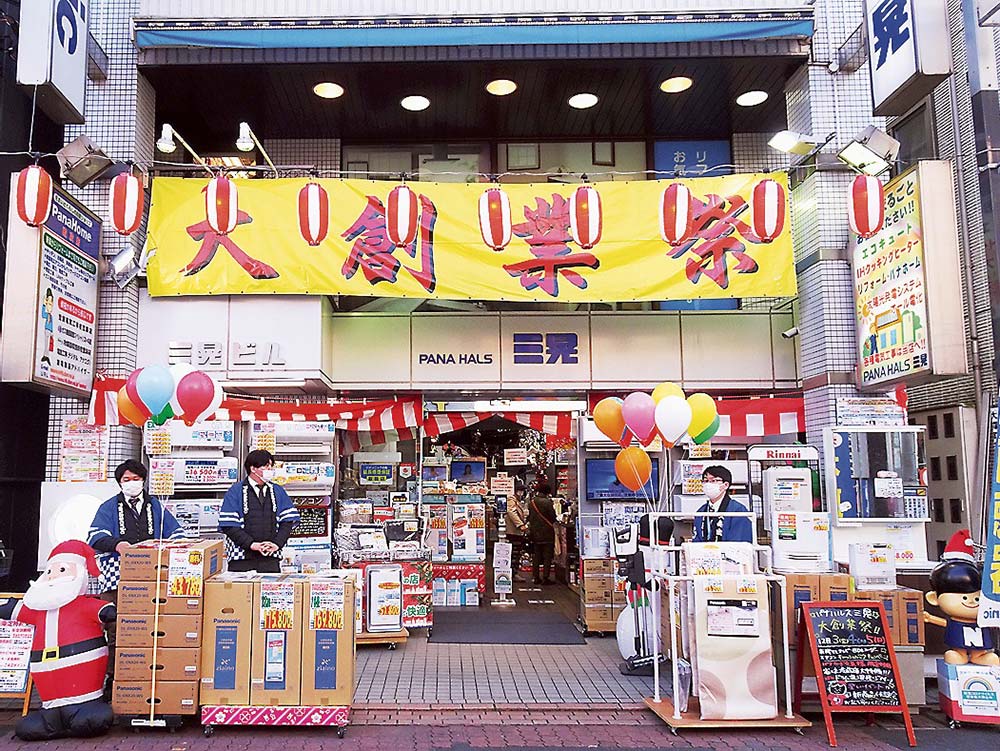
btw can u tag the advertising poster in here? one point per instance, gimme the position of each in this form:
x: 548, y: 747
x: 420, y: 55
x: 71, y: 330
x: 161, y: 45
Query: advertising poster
x: 277, y: 605
x: 185, y: 573
x: 989, y: 604
x: 515, y: 457
x: 15, y: 654
x: 385, y: 598
x: 326, y: 605
x: 468, y: 531
x: 437, y: 531
x: 66, y: 312
x: 377, y: 474
x: 417, y: 594
x: 83, y: 451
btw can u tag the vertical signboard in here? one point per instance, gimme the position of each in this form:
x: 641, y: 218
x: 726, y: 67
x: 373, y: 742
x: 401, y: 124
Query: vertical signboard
x: 989, y: 604
x: 52, y: 55
x: 909, y: 51
x: 907, y: 284
x: 50, y: 300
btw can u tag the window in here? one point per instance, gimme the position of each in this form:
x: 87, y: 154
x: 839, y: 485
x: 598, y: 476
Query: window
x: 940, y: 548
x: 952, y: 463
x: 932, y: 428
x: 956, y: 510
x: 915, y: 134
x: 949, y: 424
x: 938, y: 504
x: 936, y: 469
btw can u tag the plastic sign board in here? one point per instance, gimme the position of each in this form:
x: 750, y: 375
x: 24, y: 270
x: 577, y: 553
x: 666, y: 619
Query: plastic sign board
x: 907, y: 284
x: 989, y: 603
x: 909, y: 51
x: 52, y: 55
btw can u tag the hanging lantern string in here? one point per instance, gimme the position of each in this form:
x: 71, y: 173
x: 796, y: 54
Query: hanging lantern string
x: 31, y: 126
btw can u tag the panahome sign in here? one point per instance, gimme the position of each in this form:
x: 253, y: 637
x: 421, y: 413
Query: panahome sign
x: 556, y: 242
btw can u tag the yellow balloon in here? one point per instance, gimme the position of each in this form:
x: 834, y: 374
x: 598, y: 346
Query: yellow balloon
x: 703, y: 413
x: 667, y: 389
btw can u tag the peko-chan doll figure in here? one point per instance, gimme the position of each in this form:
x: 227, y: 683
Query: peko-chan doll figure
x: 955, y: 588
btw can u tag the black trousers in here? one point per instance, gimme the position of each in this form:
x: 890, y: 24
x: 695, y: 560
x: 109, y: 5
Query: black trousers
x: 86, y: 720
x: 518, y: 543
x: 263, y: 564
x: 541, y: 558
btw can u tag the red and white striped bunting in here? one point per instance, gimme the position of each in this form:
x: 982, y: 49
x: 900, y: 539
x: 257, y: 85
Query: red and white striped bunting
x: 560, y: 424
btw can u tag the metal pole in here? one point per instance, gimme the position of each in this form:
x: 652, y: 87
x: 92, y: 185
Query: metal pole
x: 674, y: 651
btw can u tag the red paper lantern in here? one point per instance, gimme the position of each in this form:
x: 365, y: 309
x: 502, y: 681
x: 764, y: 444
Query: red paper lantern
x: 866, y: 206
x: 401, y: 216
x: 221, y: 205
x: 126, y: 201
x: 675, y: 214
x: 768, y: 210
x: 314, y: 213
x: 34, y: 195
x: 494, y: 218
x: 585, y: 216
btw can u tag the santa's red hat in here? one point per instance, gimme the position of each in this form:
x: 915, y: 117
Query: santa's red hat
x: 959, y: 547
x: 78, y: 552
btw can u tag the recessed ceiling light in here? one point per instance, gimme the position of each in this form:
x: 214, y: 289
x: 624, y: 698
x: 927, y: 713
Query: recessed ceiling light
x: 582, y: 101
x: 501, y: 87
x: 328, y: 90
x: 751, y: 98
x: 676, y: 85
x: 415, y: 103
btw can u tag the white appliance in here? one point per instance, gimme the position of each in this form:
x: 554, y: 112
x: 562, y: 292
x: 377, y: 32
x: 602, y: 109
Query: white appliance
x: 385, y: 597
x: 786, y: 489
x: 801, y: 541
x: 67, y: 510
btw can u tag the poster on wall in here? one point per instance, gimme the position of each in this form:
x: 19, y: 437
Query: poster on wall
x: 377, y: 474
x: 989, y: 604
x: 83, y: 451
x: 15, y: 653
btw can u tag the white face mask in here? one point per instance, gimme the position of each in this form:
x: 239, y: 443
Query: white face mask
x: 267, y: 474
x: 132, y: 488
x: 712, y: 489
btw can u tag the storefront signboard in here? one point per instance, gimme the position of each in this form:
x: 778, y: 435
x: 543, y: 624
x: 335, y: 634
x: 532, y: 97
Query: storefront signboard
x: 989, y: 604
x: 53, y: 56
x: 874, y: 411
x: 692, y: 158
x: 907, y: 284
x: 909, y: 51
x: 50, y: 301
x: 449, y: 259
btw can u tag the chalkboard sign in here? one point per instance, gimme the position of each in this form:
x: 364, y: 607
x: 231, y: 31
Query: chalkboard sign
x: 856, y: 669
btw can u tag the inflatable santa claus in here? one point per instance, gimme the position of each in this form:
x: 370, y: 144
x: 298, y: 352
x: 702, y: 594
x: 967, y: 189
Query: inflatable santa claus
x: 69, y: 654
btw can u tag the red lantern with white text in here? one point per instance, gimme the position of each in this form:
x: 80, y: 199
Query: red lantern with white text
x: 768, y: 210
x: 866, y: 206
x: 585, y: 216
x: 314, y: 213
x: 34, y: 195
x: 221, y: 205
x: 126, y: 201
x: 675, y: 214
x: 401, y: 216
x: 494, y: 218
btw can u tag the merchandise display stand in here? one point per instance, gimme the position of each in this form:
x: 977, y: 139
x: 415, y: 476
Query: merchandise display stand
x: 390, y: 638
x: 666, y: 709
x: 230, y: 716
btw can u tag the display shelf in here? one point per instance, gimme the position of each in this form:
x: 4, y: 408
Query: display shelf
x: 338, y: 717
x: 389, y: 638
x: 691, y: 720
x: 846, y: 521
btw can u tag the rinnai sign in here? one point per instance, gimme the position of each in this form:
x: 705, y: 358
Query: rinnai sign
x: 783, y: 453
x: 52, y: 55
x: 909, y: 51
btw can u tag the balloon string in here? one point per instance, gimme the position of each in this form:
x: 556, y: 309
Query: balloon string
x: 647, y: 499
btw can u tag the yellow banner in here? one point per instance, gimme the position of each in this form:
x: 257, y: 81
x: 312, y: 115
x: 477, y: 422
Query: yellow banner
x: 449, y: 259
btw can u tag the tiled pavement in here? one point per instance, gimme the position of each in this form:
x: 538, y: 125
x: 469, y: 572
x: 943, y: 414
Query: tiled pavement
x: 422, y: 672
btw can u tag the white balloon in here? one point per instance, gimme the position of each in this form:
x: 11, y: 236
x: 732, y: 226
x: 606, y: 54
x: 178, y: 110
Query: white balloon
x: 178, y: 371
x: 673, y: 417
x: 216, y: 403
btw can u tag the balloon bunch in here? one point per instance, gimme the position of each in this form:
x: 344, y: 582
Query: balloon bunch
x: 666, y: 413
x: 159, y: 393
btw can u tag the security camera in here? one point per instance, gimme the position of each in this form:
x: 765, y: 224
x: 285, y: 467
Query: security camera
x: 790, y: 333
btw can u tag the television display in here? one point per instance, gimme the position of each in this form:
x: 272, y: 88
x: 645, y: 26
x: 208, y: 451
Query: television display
x: 468, y: 471
x: 603, y: 485
x: 434, y: 473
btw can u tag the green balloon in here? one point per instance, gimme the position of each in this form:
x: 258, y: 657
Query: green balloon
x: 707, y: 433
x: 165, y: 414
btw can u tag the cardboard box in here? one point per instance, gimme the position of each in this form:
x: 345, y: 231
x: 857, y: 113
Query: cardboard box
x: 598, y: 566
x: 598, y: 581
x: 910, y: 617
x: 327, y: 653
x: 184, y: 565
x: 800, y: 588
x: 225, y: 655
x: 598, y: 591
x: 171, y: 697
x: 834, y: 587
x: 136, y: 664
x: 595, y: 613
x: 168, y: 631
x: 276, y: 649
x: 888, y: 599
x: 141, y: 598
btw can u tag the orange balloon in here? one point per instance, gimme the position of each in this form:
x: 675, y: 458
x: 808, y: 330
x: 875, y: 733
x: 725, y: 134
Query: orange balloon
x: 128, y: 410
x: 608, y: 419
x: 633, y: 468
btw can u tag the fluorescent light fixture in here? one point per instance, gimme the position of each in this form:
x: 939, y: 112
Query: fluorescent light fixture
x: 791, y: 142
x: 582, y: 101
x: 676, y: 85
x: 415, y: 103
x: 501, y: 87
x: 328, y: 90
x: 751, y: 98
x: 166, y: 143
x: 235, y: 384
x: 872, y: 152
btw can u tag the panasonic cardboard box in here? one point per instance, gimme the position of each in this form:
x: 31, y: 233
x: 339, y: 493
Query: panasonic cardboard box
x: 166, y: 630
x: 228, y: 629
x: 142, y: 598
x: 276, y: 661
x: 327, y: 642
x: 137, y: 664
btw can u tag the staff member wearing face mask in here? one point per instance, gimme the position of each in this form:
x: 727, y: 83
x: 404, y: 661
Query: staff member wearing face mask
x: 715, y: 482
x: 257, y: 517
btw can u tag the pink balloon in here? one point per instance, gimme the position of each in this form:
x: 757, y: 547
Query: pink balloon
x: 639, y: 411
x: 133, y: 392
x: 194, y: 393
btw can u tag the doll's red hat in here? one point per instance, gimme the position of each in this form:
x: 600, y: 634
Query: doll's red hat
x: 959, y: 547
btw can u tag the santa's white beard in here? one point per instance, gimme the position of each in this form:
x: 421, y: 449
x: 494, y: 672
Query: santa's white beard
x: 46, y: 595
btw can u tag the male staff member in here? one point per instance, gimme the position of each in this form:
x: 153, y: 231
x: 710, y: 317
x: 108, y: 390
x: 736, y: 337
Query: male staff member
x: 257, y: 517
x: 715, y: 482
